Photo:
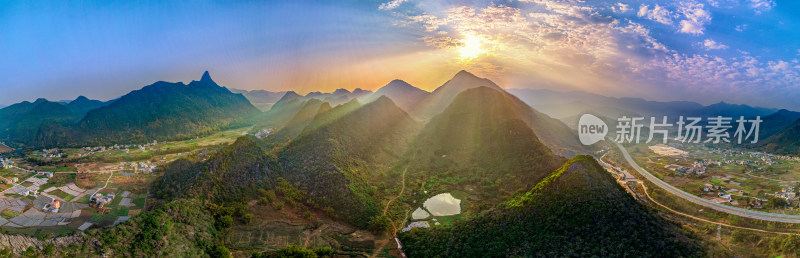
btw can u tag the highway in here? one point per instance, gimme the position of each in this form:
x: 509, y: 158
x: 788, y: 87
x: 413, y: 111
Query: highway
x: 703, y: 202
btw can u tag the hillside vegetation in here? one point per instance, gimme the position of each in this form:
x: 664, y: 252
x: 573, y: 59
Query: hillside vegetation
x: 576, y: 211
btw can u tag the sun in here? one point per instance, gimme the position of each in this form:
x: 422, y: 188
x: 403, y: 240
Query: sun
x: 471, y: 47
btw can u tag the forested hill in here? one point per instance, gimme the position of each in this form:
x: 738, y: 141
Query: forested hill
x: 481, y: 138
x: 21, y: 121
x: 577, y: 211
x: 159, y: 111
x: 329, y: 165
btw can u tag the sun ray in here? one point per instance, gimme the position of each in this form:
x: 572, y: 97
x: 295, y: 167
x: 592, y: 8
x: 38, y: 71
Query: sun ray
x: 471, y: 47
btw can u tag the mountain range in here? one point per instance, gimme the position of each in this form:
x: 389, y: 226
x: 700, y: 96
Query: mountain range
x: 784, y: 142
x: 159, y: 111
x: 365, y: 159
x: 405, y: 95
x: 261, y: 99
x: 777, y: 132
x: 568, y: 104
x: 422, y: 106
x: 22, y: 120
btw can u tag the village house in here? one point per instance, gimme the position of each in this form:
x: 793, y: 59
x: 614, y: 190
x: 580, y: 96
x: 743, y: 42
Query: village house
x: 6, y: 163
x: 99, y: 200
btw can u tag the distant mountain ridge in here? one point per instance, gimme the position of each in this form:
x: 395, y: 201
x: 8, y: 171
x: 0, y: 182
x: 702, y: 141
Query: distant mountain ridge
x: 405, y: 95
x: 422, y: 105
x: 262, y: 99
x: 777, y: 122
x: 22, y: 120
x: 568, y: 104
x: 158, y: 111
x: 784, y: 142
x: 438, y: 100
x: 166, y: 110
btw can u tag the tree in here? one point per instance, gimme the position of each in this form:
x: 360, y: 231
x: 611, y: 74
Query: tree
x: 270, y: 195
x: 296, y: 251
x: 307, y: 215
x: 220, y: 251
x: 225, y: 221
x: 324, y: 251
x: 247, y: 218
x: 48, y: 249
x: 380, y: 223
x: 775, y: 203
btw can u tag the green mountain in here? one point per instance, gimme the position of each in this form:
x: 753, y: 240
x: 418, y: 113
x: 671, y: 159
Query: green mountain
x: 281, y: 112
x: 552, y: 132
x: 784, y: 142
x: 481, y: 138
x: 327, y: 117
x: 185, y: 228
x: 231, y: 175
x: 20, y: 123
x: 438, y: 100
x: 578, y: 210
x: 328, y: 166
x: 301, y: 119
x: 777, y: 122
x: 335, y: 162
x: 159, y: 111
x: 405, y: 95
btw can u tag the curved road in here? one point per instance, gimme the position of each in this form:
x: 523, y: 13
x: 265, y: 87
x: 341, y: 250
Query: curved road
x: 706, y: 203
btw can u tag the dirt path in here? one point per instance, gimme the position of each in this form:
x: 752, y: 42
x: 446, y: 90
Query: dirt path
x: 104, y: 186
x: 402, y: 189
x: 386, y: 209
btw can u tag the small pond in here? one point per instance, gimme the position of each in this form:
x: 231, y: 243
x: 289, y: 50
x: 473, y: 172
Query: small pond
x: 443, y: 204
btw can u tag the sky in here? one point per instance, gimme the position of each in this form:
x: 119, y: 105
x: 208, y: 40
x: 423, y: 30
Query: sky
x: 737, y: 51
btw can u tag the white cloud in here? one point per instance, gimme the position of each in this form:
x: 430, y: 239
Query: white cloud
x: 740, y: 28
x: 710, y: 44
x: 779, y: 66
x: 760, y: 6
x: 429, y: 22
x: 620, y: 8
x: 441, y: 42
x: 695, y: 20
x: 658, y: 14
x: 567, y: 44
x: 391, y: 4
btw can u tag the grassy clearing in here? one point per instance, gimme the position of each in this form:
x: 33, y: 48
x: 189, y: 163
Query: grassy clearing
x: 62, y: 195
x: 8, y: 214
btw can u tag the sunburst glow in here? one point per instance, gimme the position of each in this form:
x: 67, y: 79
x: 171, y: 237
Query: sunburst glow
x: 471, y: 47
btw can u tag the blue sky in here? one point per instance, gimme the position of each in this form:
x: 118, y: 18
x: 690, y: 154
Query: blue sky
x: 739, y: 51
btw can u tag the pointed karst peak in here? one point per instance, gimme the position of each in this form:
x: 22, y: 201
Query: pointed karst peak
x: 383, y: 100
x: 464, y: 73
x: 206, y: 77
x: 290, y: 95
x: 398, y: 82
x: 81, y: 98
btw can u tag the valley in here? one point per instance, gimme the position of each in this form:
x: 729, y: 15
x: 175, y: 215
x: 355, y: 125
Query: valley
x: 367, y: 175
